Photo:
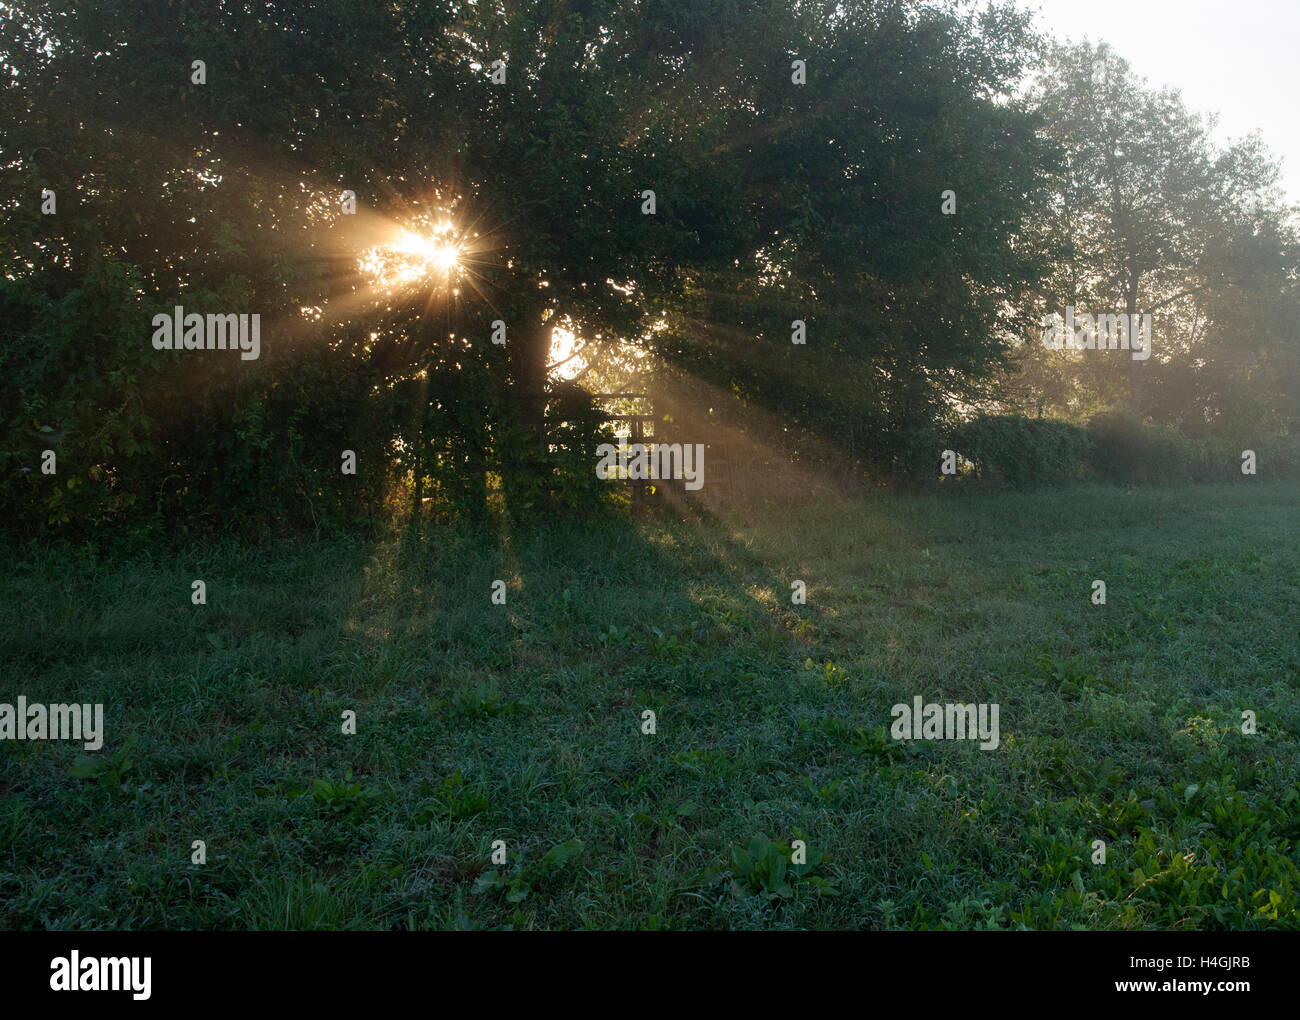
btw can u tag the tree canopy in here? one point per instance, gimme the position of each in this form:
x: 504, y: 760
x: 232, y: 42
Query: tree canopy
x: 677, y: 182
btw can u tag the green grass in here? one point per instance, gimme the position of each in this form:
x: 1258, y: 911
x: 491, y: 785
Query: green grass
x: 522, y: 722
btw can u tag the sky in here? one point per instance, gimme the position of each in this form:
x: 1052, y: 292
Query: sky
x: 1238, y: 59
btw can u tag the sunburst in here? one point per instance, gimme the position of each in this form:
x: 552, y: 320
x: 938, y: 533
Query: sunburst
x: 419, y: 254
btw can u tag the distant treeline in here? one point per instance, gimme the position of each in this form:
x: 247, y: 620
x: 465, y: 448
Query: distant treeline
x: 1016, y: 450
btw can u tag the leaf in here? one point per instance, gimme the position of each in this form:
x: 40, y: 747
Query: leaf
x: 562, y: 853
x: 519, y: 891
x: 776, y: 871
x: 86, y: 769
x: 488, y: 882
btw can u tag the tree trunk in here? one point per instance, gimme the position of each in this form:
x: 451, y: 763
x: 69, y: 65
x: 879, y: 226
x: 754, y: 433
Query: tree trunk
x: 526, y: 468
x: 1134, y: 366
x: 530, y: 350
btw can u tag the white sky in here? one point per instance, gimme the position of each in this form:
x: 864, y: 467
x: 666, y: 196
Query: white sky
x: 1240, y: 59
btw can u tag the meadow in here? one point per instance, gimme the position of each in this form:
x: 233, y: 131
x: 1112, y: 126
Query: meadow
x: 523, y: 722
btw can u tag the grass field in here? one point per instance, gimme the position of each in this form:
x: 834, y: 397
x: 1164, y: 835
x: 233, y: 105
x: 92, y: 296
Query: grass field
x: 523, y: 723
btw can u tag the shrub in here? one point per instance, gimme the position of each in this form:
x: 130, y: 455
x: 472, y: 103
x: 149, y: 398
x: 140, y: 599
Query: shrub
x: 71, y: 371
x: 1276, y: 456
x: 155, y: 442
x: 1023, y: 451
x: 905, y: 456
x: 1219, y: 459
x: 1126, y: 450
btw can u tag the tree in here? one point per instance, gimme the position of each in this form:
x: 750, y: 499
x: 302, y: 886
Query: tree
x: 1141, y: 206
x: 909, y: 310
x: 231, y: 188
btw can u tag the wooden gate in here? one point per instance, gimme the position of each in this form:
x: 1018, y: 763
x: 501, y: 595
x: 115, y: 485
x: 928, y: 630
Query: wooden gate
x: 643, y: 428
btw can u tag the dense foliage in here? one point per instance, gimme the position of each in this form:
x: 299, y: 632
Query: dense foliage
x: 866, y: 170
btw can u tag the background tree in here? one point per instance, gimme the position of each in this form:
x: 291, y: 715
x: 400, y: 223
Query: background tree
x: 1147, y: 216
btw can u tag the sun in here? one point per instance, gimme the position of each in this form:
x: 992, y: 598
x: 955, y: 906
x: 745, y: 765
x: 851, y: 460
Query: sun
x: 436, y: 253
x: 422, y: 253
